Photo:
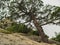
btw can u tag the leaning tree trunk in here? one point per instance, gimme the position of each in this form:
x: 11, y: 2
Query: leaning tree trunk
x: 40, y: 30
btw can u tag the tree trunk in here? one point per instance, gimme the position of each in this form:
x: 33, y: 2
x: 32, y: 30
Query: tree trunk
x: 40, y: 30
x: 43, y: 38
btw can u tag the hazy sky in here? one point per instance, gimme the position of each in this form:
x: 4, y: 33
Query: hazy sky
x: 52, y: 2
x: 51, y: 29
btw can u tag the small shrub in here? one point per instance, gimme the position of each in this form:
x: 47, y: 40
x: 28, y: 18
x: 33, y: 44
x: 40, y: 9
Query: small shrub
x: 19, y: 28
x: 34, y: 33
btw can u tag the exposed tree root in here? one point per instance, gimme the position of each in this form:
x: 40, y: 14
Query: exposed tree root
x: 53, y: 42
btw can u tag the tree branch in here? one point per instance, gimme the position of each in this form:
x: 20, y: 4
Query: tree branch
x: 52, y: 21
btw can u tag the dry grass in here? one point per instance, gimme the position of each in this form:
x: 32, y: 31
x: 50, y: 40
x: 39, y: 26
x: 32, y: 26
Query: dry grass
x: 4, y: 31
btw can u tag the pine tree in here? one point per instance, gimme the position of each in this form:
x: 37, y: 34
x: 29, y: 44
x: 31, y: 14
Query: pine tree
x: 33, y: 11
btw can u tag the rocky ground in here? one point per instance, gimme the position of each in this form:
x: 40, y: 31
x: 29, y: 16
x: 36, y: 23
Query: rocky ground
x: 17, y: 39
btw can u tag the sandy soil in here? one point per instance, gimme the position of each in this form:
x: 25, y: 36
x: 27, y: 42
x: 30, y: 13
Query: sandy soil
x: 17, y: 39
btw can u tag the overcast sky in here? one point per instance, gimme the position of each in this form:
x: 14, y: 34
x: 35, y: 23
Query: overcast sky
x: 51, y: 29
x: 52, y: 2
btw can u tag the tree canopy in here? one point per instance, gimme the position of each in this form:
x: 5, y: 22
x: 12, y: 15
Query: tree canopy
x: 20, y: 9
x: 44, y: 14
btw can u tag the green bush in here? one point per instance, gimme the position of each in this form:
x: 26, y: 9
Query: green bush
x: 32, y: 32
x: 35, y: 33
x: 18, y: 28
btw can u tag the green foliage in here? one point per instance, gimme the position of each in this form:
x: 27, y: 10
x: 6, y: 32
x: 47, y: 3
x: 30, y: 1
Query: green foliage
x: 18, y: 28
x: 56, y: 13
x: 57, y: 38
x: 35, y: 33
x: 21, y: 28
